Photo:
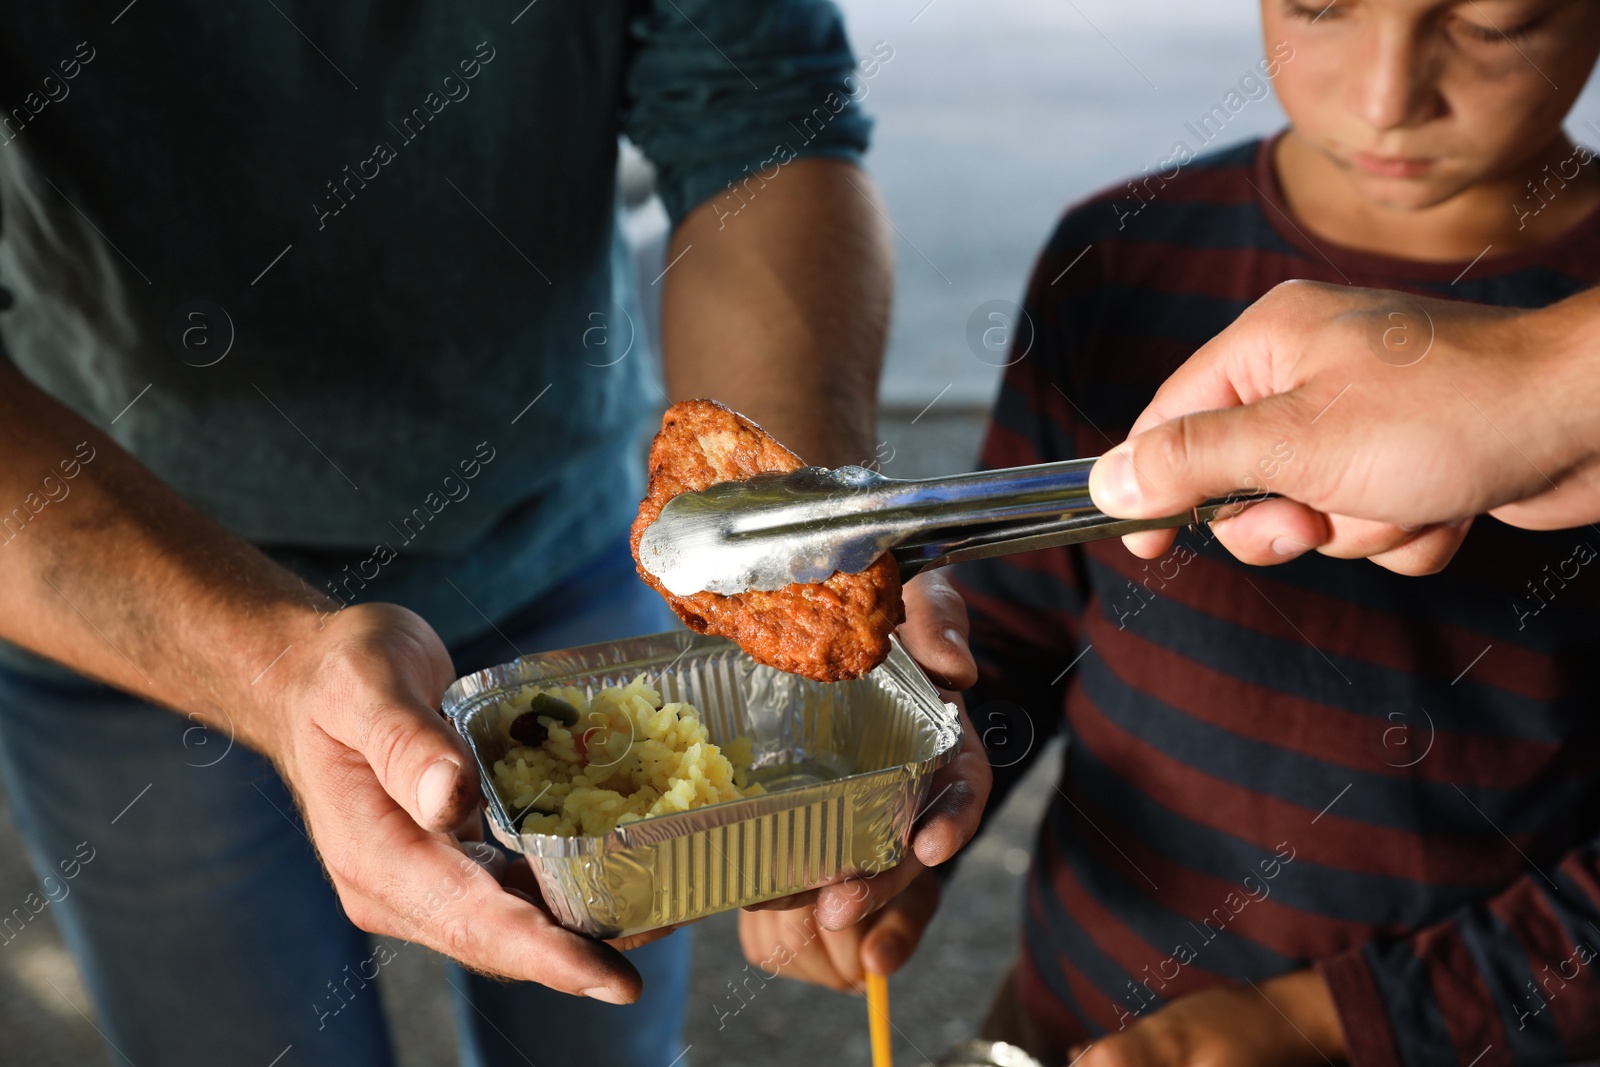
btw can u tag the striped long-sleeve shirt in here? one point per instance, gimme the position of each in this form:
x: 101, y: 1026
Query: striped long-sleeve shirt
x: 1395, y: 780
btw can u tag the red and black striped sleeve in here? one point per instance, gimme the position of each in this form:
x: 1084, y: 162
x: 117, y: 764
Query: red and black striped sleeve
x: 1505, y: 982
x: 1025, y: 608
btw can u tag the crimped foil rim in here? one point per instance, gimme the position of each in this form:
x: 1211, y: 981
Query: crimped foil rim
x: 468, y: 692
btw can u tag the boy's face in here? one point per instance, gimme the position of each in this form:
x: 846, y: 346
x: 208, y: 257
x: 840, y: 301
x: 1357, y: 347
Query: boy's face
x: 1415, y: 101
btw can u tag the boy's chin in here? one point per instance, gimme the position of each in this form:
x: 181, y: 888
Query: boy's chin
x: 1406, y: 194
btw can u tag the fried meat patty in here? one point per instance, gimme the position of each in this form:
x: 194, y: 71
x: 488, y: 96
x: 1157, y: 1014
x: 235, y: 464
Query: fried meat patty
x: 830, y: 630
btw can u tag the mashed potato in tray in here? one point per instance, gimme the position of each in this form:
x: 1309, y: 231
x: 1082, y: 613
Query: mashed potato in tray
x: 583, y: 767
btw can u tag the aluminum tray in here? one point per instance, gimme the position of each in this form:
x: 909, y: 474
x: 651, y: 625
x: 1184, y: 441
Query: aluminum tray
x: 847, y: 765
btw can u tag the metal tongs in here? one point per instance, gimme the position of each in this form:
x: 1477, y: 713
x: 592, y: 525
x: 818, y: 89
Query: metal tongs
x: 775, y: 530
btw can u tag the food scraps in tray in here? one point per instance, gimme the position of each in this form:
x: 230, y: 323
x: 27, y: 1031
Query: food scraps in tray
x: 582, y: 767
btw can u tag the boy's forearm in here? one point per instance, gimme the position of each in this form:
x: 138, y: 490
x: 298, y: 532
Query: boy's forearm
x: 107, y: 570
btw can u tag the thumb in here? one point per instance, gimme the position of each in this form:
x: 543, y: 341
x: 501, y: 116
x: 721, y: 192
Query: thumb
x: 383, y: 707
x: 422, y: 764
x: 935, y: 630
x: 1185, y: 461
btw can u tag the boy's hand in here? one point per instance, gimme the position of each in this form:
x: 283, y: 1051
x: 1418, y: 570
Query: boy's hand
x: 935, y: 631
x: 877, y: 921
x: 935, y: 634
x: 1288, y: 1021
x: 948, y: 819
x: 793, y: 945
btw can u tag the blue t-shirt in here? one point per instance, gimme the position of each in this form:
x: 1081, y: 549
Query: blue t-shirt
x: 312, y: 265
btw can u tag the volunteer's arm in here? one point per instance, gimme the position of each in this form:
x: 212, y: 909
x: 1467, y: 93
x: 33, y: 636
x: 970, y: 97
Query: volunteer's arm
x: 120, y: 578
x: 777, y: 280
x: 1388, y: 420
x: 781, y: 311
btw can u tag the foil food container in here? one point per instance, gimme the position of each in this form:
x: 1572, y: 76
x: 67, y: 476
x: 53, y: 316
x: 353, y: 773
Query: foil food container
x: 846, y: 766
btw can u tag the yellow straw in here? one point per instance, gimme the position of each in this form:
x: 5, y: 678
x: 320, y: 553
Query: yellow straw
x: 878, y: 1019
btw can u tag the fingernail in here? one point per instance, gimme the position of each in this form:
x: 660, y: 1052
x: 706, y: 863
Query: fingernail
x: 605, y: 993
x: 435, y: 789
x: 1288, y: 546
x: 1118, y: 483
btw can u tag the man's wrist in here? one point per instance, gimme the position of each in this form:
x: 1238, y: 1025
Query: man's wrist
x: 282, y: 644
x: 1562, y: 344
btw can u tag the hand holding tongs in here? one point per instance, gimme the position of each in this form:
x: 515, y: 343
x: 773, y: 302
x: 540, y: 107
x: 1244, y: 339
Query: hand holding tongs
x: 777, y: 529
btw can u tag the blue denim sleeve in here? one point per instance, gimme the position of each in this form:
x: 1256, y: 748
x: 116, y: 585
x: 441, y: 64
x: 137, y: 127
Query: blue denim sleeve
x: 726, y: 90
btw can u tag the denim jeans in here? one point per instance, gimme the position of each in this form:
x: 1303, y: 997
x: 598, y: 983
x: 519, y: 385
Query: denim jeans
x: 186, y: 888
